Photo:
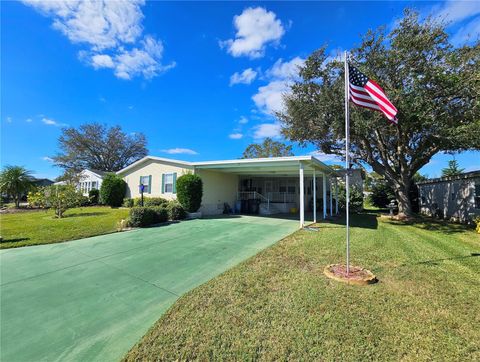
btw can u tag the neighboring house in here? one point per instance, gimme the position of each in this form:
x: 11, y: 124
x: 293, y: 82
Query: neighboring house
x: 455, y: 198
x: 41, y: 182
x: 89, y: 180
x: 261, y: 185
x: 357, y: 177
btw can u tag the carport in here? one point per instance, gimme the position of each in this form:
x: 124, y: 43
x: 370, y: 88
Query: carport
x: 301, y: 172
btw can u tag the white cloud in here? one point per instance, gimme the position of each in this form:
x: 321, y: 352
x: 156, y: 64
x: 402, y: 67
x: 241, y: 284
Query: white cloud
x: 102, y: 61
x: 51, y: 122
x: 176, y: 151
x: 112, y: 32
x: 455, y: 12
x: 264, y: 130
x: 235, y: 136
x: 243, y: 120
x: 325, y: 158
x: 255, y: 28
x: 246, y: 77
x: 285, y: 70
x: 9, y: 119
x: 29, y: 120
x: 48, y: 159
x: 269, y: 98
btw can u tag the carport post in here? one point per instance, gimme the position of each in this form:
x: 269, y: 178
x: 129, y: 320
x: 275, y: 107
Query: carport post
x: 314, y: 197
x: 324, y: 191
x: 336, y: 196
x: 302, y: 211
x: 331, y: 196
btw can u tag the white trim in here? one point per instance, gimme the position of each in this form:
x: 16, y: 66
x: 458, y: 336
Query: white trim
x: 302, y: 196
x: 324, y: 196
x: 314, y: 197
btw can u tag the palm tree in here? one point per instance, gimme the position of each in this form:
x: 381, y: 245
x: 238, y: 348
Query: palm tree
x: 15, y: 181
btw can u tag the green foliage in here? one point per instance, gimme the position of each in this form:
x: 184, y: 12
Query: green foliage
x: 59, y: 197
x: 176, y: 211
x: 269, y: 148
x: 381, y: 194
x: 150, y: 201
x: 95, y: 146
x: 141, y: 216
x: 433, y: 84
x: 190, y: 192
x: 93, y: 196
x: 112, y: 190
x: 128, y: 202
x: 452, y: 169
x: 356, y: 198
x: 161, y: 214
x: 15, y: 181
x: 477, y: 222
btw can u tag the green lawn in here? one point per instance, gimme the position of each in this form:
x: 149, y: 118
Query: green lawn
x: 41, y: 227
x: 279, y: 306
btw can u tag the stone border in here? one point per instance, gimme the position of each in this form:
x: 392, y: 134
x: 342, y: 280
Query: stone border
x: 370, y: 279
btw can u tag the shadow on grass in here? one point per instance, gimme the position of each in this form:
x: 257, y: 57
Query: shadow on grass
x: 436, y: 261
x: 430, y: 224
x: 96, y: 213
x: 364, y: 220
x: 16, y: 240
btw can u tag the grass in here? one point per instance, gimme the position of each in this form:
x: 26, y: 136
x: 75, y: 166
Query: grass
x: 279, y: 306
x: 41, y: 227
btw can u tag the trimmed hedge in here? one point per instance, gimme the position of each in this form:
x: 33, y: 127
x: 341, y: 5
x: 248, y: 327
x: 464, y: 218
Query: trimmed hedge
x: 112, y: 190
x: 141, y: 216
x: 176, y: 211
x: 127, y: 202
x: 150, y: 201
x: 161, y: 214
x: 190, y: 192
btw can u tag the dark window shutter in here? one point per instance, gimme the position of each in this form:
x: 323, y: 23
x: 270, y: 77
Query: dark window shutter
x: 150, y: 184
x: 163, y: 183
x: 174, y: 186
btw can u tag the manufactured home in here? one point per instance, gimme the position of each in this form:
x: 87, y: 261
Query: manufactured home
x: 263, y: 185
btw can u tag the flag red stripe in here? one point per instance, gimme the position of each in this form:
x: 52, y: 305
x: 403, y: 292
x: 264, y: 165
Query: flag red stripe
x: 363, y: 98
x: 374, y: 88
x: 365, y: 104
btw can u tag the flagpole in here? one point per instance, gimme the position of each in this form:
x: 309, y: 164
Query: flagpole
x: 347, y: 162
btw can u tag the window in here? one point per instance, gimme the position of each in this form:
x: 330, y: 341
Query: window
x: 291, y: 189
x: 477, y: 196
x: 168, y: 182
x: 282, y: 189
x: 145, y: 180
x: 94, y: 184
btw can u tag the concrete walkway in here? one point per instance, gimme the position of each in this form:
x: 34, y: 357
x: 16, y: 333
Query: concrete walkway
x: 92, y: 299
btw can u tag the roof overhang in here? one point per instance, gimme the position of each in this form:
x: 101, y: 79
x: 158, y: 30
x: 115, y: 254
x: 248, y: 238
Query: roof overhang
x: 278, y: 166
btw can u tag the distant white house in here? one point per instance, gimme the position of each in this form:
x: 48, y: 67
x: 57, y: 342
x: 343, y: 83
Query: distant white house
x: 89, y: 180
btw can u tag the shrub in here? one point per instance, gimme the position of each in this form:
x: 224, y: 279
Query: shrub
x: 153, y: 201
x: 59, y: 197
x: 356, y: 198
x: 477, y: 221
x: 190, y: 192
x: 127, y: 202
x: 112, y: 190
x: 161, y: 214
x: 93, y: 196
x: 176, y: 211
x: 381, y: 194
x: 141, y: 216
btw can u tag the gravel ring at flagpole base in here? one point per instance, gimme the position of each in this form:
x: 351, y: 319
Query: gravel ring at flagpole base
x: 357, y: 275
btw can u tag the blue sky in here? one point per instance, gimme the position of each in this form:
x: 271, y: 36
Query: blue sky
x: 197, y: 78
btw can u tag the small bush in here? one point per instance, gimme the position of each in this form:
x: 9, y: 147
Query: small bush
x: 381, y: 194
x: 190, y: 192
x: 112, y: 190
x: 176, y: 211
x: 356, y: 198
x: 150, y: 201
x: 127, y: 202
x: 93, y: 196
x: 161, y: 214
x: 477, y: 221
x: 141, y: 216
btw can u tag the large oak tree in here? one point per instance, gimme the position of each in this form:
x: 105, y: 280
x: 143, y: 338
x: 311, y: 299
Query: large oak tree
x: 434, y: 85
x: 96, y: 146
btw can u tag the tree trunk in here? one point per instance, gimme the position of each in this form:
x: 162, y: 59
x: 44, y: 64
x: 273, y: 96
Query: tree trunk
x: 402, y: 193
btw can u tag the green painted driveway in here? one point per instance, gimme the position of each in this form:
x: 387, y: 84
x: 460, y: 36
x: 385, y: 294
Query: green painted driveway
x: 92, y: 299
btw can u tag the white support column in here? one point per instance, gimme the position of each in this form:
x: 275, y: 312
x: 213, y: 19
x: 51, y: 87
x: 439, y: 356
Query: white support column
x: 302, y: 197
x: 324, y: 192
x: 336, y: 196
x: 314, y: 197
x: 331, y: 195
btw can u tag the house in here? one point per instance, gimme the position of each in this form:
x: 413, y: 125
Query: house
x: 456, y: 198
x: 357, y: 177
x: 262, y: 185
x: 90, y: 179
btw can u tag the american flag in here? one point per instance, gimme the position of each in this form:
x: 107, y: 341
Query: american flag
x: 366, y: 93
